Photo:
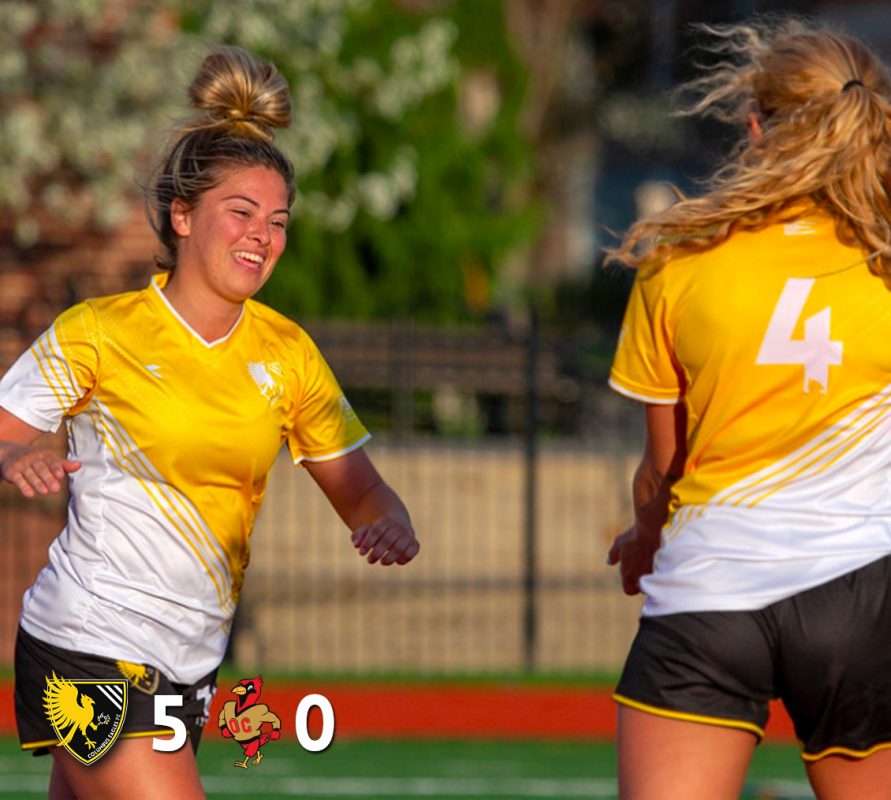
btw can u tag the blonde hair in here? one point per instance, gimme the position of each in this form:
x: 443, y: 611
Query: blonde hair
x: 242, y: 101
x: 823, y: 103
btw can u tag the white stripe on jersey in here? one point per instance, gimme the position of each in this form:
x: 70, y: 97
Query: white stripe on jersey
x: 173, y: 504
x: 837, y: 447
x: 826, y: 507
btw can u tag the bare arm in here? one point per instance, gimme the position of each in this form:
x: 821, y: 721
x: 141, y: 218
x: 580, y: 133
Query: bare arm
x: 32, y: 470
x: 661, y: 466
x: 379, y: 520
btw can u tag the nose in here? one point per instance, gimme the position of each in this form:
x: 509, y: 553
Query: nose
x: 259, y: 232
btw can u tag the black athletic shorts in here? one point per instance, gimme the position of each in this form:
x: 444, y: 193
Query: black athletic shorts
x: 826, y: 653
x: 36, y: 662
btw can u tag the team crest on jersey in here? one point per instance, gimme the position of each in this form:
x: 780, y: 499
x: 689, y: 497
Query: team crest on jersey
x: 268, y: 377
x: 140, y: 676
x: 346, y: 409
x: 87, y: 716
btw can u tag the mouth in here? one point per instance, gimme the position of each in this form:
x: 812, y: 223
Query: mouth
x: 252, y: 262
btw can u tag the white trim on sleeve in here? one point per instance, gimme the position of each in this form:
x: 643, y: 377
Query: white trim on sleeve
x: 331, y: 456
x: 659, y: 401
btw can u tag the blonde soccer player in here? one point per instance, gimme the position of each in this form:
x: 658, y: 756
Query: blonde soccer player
x: 756, y: 336
x: 177, y: 399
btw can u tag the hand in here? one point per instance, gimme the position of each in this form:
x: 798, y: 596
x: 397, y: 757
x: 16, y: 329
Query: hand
x: 633, y: 551
x: 34, y: 471
x: 387, y: 540
x: 275, y: 733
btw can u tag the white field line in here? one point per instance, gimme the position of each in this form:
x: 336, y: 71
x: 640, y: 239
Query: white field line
x: 413, y: 787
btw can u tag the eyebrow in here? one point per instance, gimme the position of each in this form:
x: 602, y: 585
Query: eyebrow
x: 255, y: 203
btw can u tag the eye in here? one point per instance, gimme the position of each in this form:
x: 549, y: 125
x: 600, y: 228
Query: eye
x: 279, y: 223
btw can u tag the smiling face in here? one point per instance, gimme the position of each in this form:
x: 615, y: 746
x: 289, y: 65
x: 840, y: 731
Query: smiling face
x: 231, y: 239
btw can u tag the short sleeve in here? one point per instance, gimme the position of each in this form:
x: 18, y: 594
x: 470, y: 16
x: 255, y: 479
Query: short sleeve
x: 56, y: 376
x: 645, y: 367
x: 323, y: 425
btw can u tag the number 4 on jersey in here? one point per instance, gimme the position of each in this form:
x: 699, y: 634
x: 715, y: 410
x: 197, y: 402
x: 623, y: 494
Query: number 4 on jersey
x: 816, y: 352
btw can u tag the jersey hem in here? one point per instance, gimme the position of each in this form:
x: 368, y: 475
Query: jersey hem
x: 134, y: 655
x: 682, y: 716
x: 742, y: 600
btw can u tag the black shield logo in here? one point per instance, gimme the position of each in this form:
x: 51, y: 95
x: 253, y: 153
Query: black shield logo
x: 86, y: 715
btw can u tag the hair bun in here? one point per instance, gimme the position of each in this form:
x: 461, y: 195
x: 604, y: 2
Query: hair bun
x: 241, y: 92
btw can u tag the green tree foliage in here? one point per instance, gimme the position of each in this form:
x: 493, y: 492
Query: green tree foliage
x: 413, y: 177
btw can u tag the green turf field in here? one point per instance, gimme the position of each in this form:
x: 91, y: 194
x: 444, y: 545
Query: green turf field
x: 439, y: 770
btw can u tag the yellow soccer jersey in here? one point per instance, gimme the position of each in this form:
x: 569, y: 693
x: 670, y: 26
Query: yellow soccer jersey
x: 777, y: 343
x: 177, y: 437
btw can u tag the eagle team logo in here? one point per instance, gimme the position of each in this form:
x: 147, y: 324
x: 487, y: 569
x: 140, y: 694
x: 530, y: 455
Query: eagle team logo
x: 268, y: 377
x: 87, y: 716
x: 248, y: 722
x: 140, y: 676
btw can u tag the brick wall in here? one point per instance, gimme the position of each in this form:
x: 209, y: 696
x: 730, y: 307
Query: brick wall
x: 37, y: 283
x: 65, y: 266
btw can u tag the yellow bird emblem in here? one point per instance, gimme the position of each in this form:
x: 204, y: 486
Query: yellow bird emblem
x: 140, y: 676
x: 67, y: 707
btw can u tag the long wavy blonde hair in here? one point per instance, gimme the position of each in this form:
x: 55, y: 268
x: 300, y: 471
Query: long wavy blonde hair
x: 822, y: 101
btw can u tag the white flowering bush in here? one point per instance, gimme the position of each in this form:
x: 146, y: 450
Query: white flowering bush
x: 83, y: 90
x: 89, y: 87
x: 333, y: 89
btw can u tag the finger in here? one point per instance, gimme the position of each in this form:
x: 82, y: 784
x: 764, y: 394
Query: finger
x: 612, y: 557
x: 71, y: 466
x: 366, y: 537
x: 358, y: 535
x: 410, y: 552
x: 18, y: 480
x: 630, y: 583
x: 374, y: 537
x: 369, y: 538
x: 34, y: 480
x: 386, y: 542
x: 47, y: 475
x: 398, y: 550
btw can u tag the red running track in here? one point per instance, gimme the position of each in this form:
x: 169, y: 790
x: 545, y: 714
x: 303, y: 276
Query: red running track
x: 442, y: 710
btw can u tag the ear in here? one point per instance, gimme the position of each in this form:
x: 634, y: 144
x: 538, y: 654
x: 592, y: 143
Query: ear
x: 754, y: 126
x: 180, y: 217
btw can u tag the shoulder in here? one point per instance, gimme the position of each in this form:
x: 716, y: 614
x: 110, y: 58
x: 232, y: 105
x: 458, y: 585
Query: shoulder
x: 109, y: 305
x: 274, y: 332
x: 268, y: 320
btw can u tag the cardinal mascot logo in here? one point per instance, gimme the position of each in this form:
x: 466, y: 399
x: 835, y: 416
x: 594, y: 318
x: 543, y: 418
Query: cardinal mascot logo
x: 248, y: 722
x: 87, y: 716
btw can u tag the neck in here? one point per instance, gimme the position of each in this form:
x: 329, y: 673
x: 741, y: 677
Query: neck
x: 210, y: 316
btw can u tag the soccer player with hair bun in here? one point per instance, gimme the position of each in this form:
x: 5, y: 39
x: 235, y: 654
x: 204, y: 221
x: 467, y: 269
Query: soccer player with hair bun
x: 177, y: 400
x: 757, y: 336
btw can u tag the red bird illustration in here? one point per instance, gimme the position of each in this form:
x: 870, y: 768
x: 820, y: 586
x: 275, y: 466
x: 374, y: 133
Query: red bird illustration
x: 242, y: 720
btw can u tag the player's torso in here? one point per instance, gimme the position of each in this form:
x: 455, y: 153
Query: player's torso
x: 206, y: 420
x: 781, y: 335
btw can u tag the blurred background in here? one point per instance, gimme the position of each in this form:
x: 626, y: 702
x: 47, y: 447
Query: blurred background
x: 461, y: 166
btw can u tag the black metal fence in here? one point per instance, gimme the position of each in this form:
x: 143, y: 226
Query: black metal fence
x: 514, y: 461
